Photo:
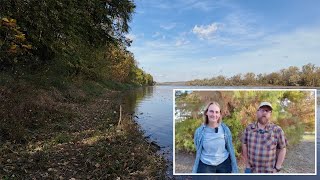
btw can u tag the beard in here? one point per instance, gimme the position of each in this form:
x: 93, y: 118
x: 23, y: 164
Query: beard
x: 263, y: 120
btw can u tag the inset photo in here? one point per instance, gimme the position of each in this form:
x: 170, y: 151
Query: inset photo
x: 244, y: 131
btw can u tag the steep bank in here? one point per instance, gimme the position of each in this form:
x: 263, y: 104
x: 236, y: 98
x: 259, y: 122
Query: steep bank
x: 55, y: 134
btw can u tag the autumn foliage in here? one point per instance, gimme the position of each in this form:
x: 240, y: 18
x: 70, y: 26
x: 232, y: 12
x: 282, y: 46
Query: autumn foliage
x: 293, y: 110
x: 69, y: 40
x: 307, y: 75
x: 14, y: 46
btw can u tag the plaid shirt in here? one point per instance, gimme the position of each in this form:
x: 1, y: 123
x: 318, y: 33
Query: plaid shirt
x: 262, y: 146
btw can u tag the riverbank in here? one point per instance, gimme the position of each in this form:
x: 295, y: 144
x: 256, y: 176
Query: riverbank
x: 72, y: 135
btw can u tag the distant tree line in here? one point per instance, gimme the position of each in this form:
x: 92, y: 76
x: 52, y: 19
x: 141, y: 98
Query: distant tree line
x: 69, y: 39
x: 308, y: 75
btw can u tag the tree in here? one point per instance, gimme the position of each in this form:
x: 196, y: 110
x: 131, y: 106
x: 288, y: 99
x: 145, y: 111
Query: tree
x: 308, y: 75
x: 249, y: 79
x: 317, y: 76
x: 273, y: 78
x: 236, y: 80
x: 290, y: 76
x: 57, y: 29
x: 70, y: 39
x: 189, y: 104
x: 294, y: 111
x: 220, y: 80
x: 14, y: 47
x: 261, y: 79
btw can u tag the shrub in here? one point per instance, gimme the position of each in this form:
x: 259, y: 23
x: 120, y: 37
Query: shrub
x: 184, y: 132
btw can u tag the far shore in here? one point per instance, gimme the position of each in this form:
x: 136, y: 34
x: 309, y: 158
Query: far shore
x: 184, y: 83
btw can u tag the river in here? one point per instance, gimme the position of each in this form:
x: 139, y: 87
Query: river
x: 153, y: 110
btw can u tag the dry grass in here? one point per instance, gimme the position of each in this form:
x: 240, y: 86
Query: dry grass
x: 68, y: 135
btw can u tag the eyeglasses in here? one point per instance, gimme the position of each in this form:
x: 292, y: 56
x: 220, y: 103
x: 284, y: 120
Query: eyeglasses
x: 265, y: 110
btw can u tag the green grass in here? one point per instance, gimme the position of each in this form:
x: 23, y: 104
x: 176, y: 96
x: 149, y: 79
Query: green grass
x: 308, y: 137
x: 62, y: 138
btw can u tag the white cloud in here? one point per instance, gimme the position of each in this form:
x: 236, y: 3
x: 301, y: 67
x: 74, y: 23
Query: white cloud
x: 184, y: 5
x: 205, y: 32
x: 202, y: 5
x: 236, y: 25
x: 238, y: 39
x: 181, y: 42
x: 159, y: 35
x: 168, y: 26
x: 238, y: 30
x: 294, y: 48
x: 132, y: 37
x: 213, y: 58
x: 242, y: 25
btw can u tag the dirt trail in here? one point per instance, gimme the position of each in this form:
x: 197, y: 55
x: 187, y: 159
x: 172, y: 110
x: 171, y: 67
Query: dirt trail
x: 184, y: 162
x: 299, y: 159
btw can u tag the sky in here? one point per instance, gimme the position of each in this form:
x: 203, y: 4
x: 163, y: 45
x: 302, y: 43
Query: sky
x: 181, y: 40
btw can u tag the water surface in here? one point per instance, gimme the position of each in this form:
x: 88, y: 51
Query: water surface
x: 153, y: 108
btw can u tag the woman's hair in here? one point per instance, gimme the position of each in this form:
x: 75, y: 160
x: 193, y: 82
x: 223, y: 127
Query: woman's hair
x: 206, y: 120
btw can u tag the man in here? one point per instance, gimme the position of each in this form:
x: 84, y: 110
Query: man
x: 263, y: 143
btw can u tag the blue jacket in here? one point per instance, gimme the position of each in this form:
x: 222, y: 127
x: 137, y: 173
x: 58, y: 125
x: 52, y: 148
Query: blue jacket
x: 198, y: 140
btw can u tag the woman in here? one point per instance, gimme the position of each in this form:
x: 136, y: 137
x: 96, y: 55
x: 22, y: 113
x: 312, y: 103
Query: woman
x: 213, y: 141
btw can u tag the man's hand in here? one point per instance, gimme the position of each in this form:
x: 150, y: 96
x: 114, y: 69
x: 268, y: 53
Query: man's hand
x: 247, y: 170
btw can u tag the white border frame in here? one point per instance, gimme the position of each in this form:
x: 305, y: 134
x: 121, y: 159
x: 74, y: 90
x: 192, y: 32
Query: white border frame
x: 250, y: 174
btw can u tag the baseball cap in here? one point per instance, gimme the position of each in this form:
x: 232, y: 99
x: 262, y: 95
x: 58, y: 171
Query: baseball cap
x: 265, y: 104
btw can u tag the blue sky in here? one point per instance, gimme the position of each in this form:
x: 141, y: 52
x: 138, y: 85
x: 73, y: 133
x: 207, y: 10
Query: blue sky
x: 179, y: 40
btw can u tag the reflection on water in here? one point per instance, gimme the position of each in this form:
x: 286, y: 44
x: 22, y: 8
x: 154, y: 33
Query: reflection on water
x: 153, y: 108
x: 153, y: 111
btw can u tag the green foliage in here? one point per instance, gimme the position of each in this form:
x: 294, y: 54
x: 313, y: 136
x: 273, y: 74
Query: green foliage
x: 236, y: 129
x: 293, y: 111
x: 294, y: 132
x: 69, y: 40
x: 184, y: 132
x: 14, y: 47
x: 140, y: 77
